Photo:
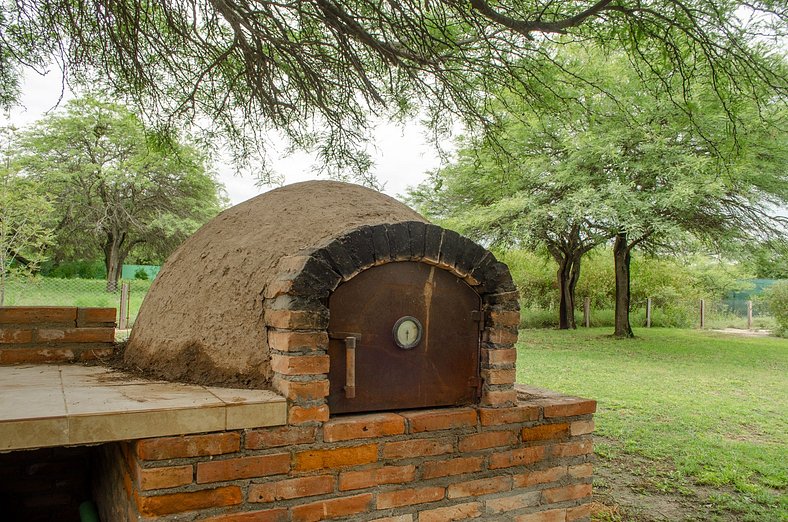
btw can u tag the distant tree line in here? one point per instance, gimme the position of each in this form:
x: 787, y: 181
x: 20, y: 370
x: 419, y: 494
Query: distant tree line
x: 95, y: 184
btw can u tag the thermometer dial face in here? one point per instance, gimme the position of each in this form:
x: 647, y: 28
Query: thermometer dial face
x: 407, y: 332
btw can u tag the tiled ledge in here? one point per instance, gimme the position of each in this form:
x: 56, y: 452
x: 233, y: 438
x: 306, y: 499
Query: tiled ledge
x: 57, y: 405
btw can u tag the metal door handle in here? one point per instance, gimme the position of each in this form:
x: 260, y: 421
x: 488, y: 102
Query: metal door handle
x: 350, y: 367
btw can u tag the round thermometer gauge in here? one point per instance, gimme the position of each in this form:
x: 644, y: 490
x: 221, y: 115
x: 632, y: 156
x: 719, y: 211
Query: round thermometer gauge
x: 407, y: 332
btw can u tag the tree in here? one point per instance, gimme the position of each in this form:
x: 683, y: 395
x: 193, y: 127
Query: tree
x: 510, y: 201
x: 317, y: 68
x: 633, y: 166
x: 115, y: 187
x: 24, y: 221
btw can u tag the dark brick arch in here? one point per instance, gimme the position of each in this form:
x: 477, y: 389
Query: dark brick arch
x: 296, y: 306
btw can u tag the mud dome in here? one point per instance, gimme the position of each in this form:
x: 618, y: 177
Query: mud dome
x: 202, y: 320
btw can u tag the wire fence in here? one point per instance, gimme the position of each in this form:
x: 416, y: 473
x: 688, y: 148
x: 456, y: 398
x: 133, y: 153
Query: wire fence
x: 675, y: 313
x: 50, y: 291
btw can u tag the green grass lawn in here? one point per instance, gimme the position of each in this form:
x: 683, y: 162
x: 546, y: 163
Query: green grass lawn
x: 712, y: 406
x: 47, y: 291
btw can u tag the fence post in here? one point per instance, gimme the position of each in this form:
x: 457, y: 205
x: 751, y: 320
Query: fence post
x: 702, y: 313
x: 123, y: 319
x: 749, y: 315
x: 648, y: 313
x: 587, y: 312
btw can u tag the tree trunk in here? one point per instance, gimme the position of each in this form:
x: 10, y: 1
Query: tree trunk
x: 567, y: 281
x: 622, y: 259
x: 113, y: 261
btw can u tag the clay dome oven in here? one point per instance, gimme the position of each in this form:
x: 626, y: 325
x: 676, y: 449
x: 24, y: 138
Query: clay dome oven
x: 337, y: 296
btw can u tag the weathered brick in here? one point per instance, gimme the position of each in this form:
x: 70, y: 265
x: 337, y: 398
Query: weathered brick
x: 367, y: 478
x: 578, y: 512
x: 485, y: 440
x: 15, y: 336
x: 581, y: 470
x: 399, y: 241
x: 302, y: 390
x: 303, y: 415
x: 364, y: 427
x: 36, y: 355
x: 479, y: 487
x: 265, y: 515
x: 335, y: 457
x: 457, y: 466
x: 498, y: 416
x: 289, y: 341
x: 568, y: 407
x: 243, y: 467
x: 409, y: 497
x: 436, y: 420
x: 519, y: 501
x: 407, y: 449
x: 161, y: 505
x: 188, y: 446
x: 300, y: 364
x: 162, y: 478
x: 542, y: 476
x: 332, y: 508
x: 450, y: 248
x: 504, y: 318
x: 502, y: 356
x: 571, y: 492
x: 455, y: 512
x: 546, y: 432
x: 400, y: 518
x: 498, y: 397
x: 296, y: 319
x: 573, y: 449
x: 291, y: 488
x: 499, y: 335
x: 96, y: 317
x: 38, y: 314
x: 584, y: 427
x: 417, y: 232
x: 75, y: 335
x: 507, y: 376
x: 552, y: 515
x: 280, y: 436
x: 517, y: 457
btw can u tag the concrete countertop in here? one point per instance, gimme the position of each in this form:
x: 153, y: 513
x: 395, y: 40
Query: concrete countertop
x: 59, y: 405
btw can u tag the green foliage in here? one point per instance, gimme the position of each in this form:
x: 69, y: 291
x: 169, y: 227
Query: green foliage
x: 318, y: 70
x: 709, y: 405
x: 777, y: 297
x: 116, y: 188
x: 25, y: 215
x: 141, y: 273
x: 75, y: 269
x: 675, y: 286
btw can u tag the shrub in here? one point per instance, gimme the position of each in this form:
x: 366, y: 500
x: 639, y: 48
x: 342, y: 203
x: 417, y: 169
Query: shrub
x: 141, y: 273
x: 777, y: 297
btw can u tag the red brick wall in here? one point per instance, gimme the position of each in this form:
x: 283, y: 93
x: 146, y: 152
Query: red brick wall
x: 531, y: 462
x: 49, y: 334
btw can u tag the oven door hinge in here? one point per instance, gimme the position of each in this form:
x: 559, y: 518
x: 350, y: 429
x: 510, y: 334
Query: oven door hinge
x: 479, y: 316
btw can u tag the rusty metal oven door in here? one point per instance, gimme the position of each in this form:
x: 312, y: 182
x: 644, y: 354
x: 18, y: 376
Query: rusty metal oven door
x: 403, y: 335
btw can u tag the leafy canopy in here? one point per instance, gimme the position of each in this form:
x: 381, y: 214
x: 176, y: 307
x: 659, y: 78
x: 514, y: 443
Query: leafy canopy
x: 316, y: 69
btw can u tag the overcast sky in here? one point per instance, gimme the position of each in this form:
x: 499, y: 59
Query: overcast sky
x: 402, y: 155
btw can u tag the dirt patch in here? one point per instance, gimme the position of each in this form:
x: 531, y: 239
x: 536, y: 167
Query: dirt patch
x: 632, y: 488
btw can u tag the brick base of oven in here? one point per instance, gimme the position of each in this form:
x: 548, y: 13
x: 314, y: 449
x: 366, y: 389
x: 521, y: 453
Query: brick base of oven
x: 528, y: 463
